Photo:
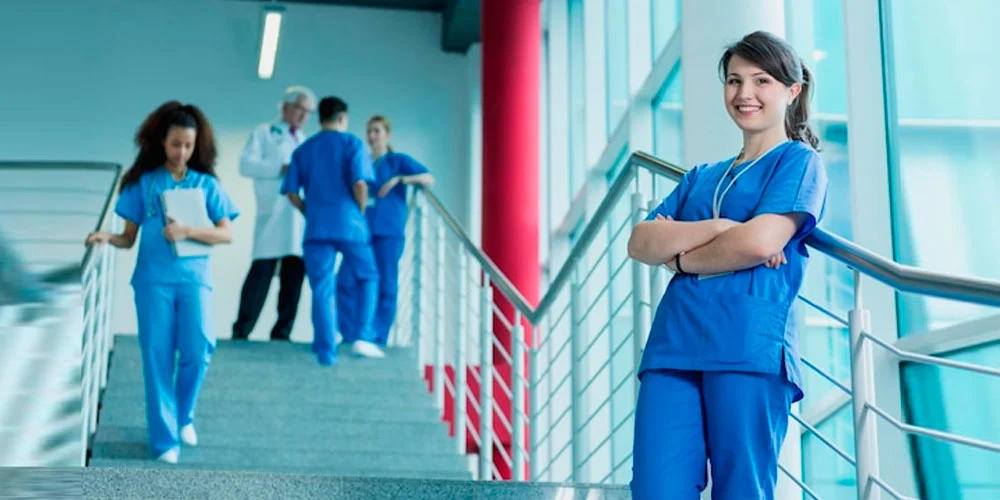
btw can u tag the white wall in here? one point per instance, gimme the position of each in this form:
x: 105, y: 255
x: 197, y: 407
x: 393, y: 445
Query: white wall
x: 79, y: 76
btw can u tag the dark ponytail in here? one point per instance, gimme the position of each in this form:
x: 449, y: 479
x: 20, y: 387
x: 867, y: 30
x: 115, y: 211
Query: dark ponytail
x: 797, y: 117
x: 153, y: 131
x: 776, y: 57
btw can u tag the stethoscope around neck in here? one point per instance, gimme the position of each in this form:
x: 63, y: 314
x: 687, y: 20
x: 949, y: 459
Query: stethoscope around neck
x: 716, y: 198
x: 152, y: 202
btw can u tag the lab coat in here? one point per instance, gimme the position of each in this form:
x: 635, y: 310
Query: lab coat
x: 279, y: 227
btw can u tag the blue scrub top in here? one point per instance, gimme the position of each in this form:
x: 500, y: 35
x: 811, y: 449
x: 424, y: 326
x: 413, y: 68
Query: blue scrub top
x: 388, y: 216
x: 743, y: 321
x: 325, y: 167
x: 140, y: 204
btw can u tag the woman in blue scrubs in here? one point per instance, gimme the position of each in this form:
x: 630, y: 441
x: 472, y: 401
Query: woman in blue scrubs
x: 387, y: 222
x: 173, y: 296
x: 721, y: 367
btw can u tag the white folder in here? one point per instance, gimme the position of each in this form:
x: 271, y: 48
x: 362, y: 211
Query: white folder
x: 189, y: 208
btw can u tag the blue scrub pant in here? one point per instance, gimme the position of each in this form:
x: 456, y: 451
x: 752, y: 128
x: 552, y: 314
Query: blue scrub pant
x: 173, y: 318
x: 735, y: 420
x: 388, y: 251
x: 321, y: 259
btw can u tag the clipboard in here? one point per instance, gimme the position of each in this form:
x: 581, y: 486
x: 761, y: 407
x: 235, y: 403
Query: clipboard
x: 187, y: 207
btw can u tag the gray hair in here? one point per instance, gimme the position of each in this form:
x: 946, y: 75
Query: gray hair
x: 295, y: 94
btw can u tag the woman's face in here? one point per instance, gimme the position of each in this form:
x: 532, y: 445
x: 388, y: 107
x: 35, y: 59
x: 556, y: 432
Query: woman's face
x: 378, y: 136
x: 179, y: 144
x: 755, y: 100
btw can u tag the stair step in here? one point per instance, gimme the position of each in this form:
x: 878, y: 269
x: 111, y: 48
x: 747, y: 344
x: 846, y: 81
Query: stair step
x: 179, y: 483
x: 337, y: 438
x: 133, y: 409
x: 265, y: 459
x: 219, y: 392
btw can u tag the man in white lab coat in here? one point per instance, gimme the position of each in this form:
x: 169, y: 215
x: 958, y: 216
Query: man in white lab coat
x: 278, y: 232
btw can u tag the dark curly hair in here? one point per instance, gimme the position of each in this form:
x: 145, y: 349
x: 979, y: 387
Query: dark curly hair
x: 153, y: 131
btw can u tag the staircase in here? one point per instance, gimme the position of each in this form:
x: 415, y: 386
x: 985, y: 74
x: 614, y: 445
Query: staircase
x: 272, y: 423
x: 271, y: 407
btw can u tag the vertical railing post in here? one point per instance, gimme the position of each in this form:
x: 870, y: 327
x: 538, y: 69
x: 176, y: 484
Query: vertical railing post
x: 536, y: 398
x: 439, y: 320
x: 640, y: 297
x: 550, y: 412
x: 517, y: 393
x: 417, y: 287
x: 657, y: 276
x: 108, y: 297
x: 486, y: 381
x: 461, y: 380
x: 578, y: 378
x: 863, y: 381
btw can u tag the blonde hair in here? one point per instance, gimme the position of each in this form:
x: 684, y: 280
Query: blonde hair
x: 384, y: 121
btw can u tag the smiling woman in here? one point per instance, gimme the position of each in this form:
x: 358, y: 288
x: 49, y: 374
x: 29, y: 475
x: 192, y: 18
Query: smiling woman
x: 723, y: 345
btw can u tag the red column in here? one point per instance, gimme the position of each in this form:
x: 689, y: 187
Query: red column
x: 511, y: 58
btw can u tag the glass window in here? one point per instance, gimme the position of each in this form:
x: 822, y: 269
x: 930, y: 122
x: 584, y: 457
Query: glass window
x: 945, y: 141
x: 964, y: 403
x: 616, y: 23
x: 816, y: 30
x: 666, y: 16
x: 944, y: 134
x: 667, y: 132
x: 667, y: 122
x: 577, y: 98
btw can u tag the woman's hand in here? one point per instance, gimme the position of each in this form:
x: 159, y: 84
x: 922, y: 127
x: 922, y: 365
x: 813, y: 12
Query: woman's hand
x: 776, y: 261
x: 98, y: 238
x: 389, y: 184
x: 175, y: 231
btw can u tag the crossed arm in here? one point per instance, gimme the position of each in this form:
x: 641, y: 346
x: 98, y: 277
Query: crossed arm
x: 716, y: 245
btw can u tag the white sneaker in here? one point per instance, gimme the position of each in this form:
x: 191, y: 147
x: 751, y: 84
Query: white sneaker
x: 170, y: 457
x: 367, y: 349
x: 338, y: 339
x: 189, y: 436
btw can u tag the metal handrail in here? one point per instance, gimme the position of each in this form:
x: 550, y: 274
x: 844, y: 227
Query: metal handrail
x: 901, y: 277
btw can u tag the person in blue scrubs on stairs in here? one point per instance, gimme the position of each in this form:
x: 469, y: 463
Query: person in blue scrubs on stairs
x: 333, y: 169
x: 720, y: 370
x: 387, y: 223
x: 173, y: 296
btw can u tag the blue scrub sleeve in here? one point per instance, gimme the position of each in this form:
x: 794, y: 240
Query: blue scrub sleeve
x: 219, y: 204
x: 672, y: 204
x: 409, y: 166
x: 798, y: 185
x: 361, y: 163
x: 130, y: 204
x: 295, y: 177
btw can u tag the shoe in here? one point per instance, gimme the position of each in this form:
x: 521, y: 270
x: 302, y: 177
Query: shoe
x: 367, y: 349
x: 170, y: 456
x: 326, y: 359
x: 338, y: 339
x: 189, y: 436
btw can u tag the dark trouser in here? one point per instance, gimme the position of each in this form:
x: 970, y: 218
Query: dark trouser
x: 255, y: 288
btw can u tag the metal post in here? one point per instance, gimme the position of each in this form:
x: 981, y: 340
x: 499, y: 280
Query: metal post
x: 486, y: 381
x: 517, y: 393
x: 108, y: 297
x: 640, y: 297
x: 578, y: 378
x: 439, y: 321
x: 550, y: 412
x: 535, y: 396
x: 863, y: 381
x: 657, y: 277
x: 417, y: 287
x: 461, y: 380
